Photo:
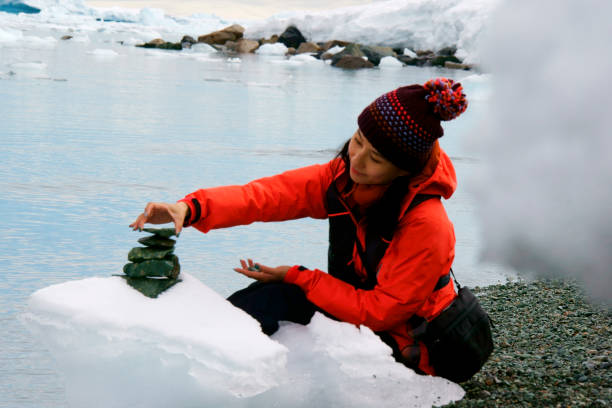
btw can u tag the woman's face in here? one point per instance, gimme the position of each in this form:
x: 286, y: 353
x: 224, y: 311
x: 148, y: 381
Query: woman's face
x: 367, y: 165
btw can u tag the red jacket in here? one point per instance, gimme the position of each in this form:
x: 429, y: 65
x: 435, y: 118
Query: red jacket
x: 421, y: 251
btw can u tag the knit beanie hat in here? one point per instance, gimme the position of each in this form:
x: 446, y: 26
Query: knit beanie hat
x: 404, y: 124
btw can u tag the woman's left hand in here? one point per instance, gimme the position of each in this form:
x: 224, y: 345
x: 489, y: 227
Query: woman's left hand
x: 261, y: 272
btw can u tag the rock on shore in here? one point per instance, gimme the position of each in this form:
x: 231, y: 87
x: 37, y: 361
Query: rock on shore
x: 552, y: 349
x: 230, y: 40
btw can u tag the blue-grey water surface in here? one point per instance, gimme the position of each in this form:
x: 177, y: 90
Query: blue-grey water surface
x: 88, y: 139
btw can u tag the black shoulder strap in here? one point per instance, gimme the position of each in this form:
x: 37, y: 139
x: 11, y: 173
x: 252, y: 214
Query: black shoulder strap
x: 377, y: 246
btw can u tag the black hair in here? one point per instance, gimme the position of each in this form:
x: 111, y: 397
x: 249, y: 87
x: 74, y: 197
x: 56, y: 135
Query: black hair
x: 383, y: 215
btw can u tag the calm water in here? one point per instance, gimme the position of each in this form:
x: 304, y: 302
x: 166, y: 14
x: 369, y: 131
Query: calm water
x: 87, y: 140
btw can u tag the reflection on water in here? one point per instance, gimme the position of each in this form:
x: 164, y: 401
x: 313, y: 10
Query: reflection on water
x: 81, y: 158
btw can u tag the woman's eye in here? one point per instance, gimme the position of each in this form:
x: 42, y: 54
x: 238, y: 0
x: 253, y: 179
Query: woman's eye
x: 375, y: 160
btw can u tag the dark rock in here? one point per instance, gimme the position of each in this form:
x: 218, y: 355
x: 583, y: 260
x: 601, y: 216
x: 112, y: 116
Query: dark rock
x: 271, y: 40
x: 455, y: 65
x: 231, y: 33
x: 156, y: 42
x: 440, y: 60
x: 290, y: 51
x: 333, y: 43
x: 168, y: 267
x: 291, y: 37
x: 419, y: 62
x: 375, y: 54
x: 161, y: 232
x: 171, y: 46
x: 140, y: 254
x: 188, y: 39
x: 447, y: 51
x: 309, y: 47
x: 424, y: 53
x: 351, y: 50
x: 230, y: 46
x: 150, y: 287
x: 159, y: 43
x: 244, y: 46
x: 351, y: 62
x: 157, y: 241
x: 66, y: 37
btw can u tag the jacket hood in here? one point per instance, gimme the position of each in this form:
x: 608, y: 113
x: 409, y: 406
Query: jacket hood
x: 437, y: 178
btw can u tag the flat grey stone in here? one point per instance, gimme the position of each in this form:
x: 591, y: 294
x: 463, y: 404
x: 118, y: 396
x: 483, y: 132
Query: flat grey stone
x: 161, y: 232
x: 157, y: 241
x: 140, y: 254
x: 150, y: 287
x: 167, y: 267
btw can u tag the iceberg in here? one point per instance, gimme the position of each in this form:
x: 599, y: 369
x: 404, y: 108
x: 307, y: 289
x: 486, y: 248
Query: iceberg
x: 191, y: 347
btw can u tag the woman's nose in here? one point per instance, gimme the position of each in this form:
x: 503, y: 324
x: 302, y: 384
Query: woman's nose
x: 358, y: 156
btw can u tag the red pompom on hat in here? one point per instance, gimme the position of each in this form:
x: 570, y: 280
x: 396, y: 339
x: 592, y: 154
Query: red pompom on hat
x: 404, y: 124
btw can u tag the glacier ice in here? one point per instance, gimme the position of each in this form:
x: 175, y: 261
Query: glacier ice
x: 191, y: 347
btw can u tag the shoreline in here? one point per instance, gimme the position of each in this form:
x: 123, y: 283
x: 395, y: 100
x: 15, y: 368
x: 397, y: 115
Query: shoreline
x: 552, y: 348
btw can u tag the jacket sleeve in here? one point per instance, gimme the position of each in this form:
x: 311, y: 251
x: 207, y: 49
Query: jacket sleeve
x: 421, y: 251
x: 290, y: 195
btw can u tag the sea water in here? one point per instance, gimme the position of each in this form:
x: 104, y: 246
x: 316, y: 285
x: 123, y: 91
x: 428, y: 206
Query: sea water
x: 92, y: 130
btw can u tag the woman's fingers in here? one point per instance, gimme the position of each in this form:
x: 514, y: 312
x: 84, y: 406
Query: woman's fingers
x: 158, y: 213
x: 261, y: 272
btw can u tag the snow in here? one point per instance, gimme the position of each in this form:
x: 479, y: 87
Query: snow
x: 272, y: 49
x: 416, y: 24
x: 335, y: 49
x: 190, y: 347
x: 390, y: 62
x: 410, y: 53
x: 104, y: 53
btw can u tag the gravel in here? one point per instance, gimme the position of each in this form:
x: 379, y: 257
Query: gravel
x: 552, y: 348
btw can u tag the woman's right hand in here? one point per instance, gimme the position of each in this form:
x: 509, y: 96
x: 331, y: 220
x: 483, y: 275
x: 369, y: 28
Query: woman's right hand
x: 162, y: 213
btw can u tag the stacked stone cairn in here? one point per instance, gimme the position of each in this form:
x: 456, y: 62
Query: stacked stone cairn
x: 153, y: 268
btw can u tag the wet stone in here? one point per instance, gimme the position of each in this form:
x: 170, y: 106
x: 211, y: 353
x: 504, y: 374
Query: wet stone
x: 150, y: 287
x: 161, y: 232
x: 168, y: 267
x: 140, y: 254
x: 157, y: 241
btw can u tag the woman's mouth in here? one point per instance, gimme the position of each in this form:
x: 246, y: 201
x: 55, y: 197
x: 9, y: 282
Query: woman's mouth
x: 355, y: 172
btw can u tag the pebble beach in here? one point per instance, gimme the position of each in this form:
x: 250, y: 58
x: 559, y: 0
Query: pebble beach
x: 553, y: 348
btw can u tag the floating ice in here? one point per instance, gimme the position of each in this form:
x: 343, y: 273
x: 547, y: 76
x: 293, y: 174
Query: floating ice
x: 190, y: 347
x: 335, y: 49
x: 408, y: 52
x: 272, y: 49
x: 203, y: 48
x: 390, y: 62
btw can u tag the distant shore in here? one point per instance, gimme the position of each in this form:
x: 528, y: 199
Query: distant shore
x: 552, y: 349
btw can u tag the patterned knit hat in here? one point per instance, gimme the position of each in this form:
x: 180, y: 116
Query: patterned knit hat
x: 404, y: 124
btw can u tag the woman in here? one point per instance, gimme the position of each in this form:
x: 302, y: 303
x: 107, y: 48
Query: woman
x: 391, y: 242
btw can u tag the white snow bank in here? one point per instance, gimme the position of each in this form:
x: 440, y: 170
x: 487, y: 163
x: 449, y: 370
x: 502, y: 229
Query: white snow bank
x: 190, y: 347
x: 417, y: 24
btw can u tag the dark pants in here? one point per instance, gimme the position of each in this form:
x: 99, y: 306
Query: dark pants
x: 270, y: 303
